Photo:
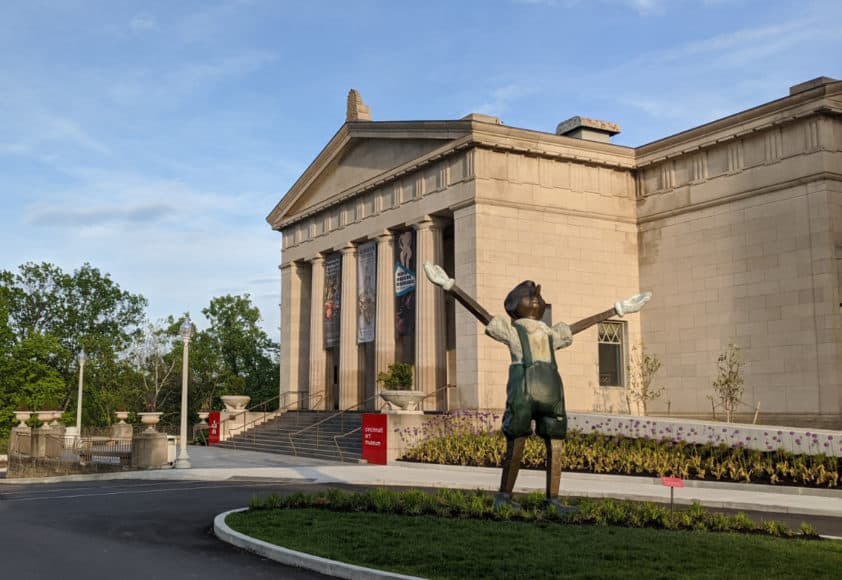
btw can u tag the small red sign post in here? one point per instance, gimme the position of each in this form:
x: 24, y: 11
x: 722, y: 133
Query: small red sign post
x: 213, y: 427
x: 374, y: 438
x: 672, y: 483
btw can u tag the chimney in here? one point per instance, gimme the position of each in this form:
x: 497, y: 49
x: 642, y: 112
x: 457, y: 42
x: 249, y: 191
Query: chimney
x: 587, y: 129
x: 357, y: 110
x: 811, y: 84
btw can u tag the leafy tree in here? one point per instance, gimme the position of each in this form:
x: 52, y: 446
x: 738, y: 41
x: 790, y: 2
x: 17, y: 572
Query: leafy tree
x: 240, y: 355
x: 48, y: 316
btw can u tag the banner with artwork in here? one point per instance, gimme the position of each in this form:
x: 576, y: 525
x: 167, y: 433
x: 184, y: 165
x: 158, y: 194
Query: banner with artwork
x: 405, y: 284
x: 366, y: 291
x: 333, y: 288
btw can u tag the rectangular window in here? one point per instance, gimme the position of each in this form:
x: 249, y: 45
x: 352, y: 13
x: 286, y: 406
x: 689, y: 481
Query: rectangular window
x: 610, y: 354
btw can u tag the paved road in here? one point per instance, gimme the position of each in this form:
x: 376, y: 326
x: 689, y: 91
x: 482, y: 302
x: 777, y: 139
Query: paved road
x: 129, y: 529
x: 149, y: 529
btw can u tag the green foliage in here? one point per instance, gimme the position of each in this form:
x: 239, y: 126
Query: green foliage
x: 597, y: 453
x: 235, y: 351
x: 451, y: 503
x: 48, y: 316
x: 398, y: 377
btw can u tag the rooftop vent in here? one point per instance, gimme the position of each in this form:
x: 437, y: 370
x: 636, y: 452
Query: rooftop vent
x: 587, y: 129
x: 482, y: 118
x: 812, y: 84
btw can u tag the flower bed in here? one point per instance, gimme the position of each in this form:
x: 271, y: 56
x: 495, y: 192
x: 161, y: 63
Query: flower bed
x: 466, y: 439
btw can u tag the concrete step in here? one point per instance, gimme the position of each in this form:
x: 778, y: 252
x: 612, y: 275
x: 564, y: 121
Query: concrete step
x: 318, y: 442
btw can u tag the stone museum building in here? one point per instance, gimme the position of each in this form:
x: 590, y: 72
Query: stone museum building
x: 735, y: 226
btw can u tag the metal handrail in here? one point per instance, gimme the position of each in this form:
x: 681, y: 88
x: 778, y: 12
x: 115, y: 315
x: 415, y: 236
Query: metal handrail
x: 317, y: 424
x: 317, y: 397
x: 336, y: 439
x: 342, y: 412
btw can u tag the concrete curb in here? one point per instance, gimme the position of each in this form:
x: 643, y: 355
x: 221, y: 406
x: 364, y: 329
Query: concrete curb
x: 298, y: 559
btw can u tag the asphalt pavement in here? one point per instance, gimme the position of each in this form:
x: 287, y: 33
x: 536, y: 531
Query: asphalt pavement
x: 216, y: 464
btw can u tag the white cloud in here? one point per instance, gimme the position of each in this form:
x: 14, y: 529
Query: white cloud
x: 143, y: 23
x: 168, y: 86
x: 501, y: 98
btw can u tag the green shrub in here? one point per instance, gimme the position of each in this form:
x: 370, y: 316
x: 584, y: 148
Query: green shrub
x: 598, y: 453
x: 480, y: 505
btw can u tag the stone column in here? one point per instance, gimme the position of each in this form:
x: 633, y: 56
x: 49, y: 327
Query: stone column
x: 430, y: 351
x: 318, y: 356
x: 384, y: 338
x: 294, y: 350
x: 348, y: 349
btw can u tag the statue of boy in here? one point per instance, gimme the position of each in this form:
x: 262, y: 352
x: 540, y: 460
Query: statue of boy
x: 534, y: 390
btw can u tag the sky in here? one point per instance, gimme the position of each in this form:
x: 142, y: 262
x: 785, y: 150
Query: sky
x: 151, y: 139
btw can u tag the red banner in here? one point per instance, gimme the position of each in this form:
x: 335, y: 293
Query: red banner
x: 374, y: 438
x: 213, y: 427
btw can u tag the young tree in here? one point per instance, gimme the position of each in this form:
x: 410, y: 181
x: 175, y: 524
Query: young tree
x: 150, y: 355
x: 729, y: 384
x: 642, y: 368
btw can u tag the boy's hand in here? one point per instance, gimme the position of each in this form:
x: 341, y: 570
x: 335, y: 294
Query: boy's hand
x: 633, y: 304
x: 438, y: 276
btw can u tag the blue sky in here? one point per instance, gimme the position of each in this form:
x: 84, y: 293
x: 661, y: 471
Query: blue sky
x: 151, y: 139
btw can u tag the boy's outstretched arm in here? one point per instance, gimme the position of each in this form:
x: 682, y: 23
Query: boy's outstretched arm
x: 437, y: 275
x: 632, y: 304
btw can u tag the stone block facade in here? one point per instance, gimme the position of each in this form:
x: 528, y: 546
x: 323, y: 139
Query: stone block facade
x: 735, y: 226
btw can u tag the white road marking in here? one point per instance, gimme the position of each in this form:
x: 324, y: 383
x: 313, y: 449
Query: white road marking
x: 131, y: 491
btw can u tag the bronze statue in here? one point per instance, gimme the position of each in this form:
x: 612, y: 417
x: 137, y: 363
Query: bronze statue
x: 534, y: 391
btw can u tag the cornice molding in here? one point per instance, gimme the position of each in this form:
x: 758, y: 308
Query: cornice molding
x: 823, y: 100
x: 745, y: 194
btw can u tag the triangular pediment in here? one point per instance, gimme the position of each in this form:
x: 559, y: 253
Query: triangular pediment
x: 359, y: 153
x: 362, y: 160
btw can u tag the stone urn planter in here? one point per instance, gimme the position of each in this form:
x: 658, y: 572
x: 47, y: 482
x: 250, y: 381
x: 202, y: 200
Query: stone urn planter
x: 203, y: 417
x: 150, y: 419
x: 44, y: 416
x: 403, y: 401
x: 22, y: 417
x: 235, y: 403
x: 121, y: 416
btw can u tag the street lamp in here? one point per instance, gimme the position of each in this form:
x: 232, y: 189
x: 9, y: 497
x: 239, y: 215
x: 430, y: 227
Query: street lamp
x: 186, y: 332
x: 82, y: 358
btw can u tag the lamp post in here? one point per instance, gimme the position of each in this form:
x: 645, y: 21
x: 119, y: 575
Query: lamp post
x: 186, y: 332
x: 82, y: 358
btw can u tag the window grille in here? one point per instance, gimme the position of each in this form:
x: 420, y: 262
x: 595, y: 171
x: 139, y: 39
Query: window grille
x: 610, y: 354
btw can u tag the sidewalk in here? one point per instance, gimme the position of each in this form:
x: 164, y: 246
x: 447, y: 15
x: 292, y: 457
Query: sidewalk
x: 215, y: 464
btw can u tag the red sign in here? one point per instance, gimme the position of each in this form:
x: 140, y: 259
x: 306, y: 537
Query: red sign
x: 374, y: 437
x: 213, y: 427
x: 672, y: 482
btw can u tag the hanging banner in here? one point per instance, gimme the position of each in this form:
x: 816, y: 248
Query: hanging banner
x: 366, y: 291
x: 333, y: 286
x: 405, y: 284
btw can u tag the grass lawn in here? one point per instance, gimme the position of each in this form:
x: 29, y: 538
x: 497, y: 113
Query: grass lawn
x: 434, y: 547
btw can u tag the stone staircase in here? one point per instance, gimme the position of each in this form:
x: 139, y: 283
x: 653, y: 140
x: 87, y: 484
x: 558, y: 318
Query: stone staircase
x: 325, y: 435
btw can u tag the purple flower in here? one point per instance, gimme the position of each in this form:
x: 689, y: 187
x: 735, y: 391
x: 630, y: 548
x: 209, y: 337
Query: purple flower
x: 807, y: 433
x: 798, y: 441
x: 780, y: 432
x: 792, y: 432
